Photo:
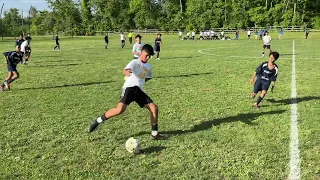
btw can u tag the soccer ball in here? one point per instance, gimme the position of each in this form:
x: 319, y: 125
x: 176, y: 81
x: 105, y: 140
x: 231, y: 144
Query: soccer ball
x: 133, y: 145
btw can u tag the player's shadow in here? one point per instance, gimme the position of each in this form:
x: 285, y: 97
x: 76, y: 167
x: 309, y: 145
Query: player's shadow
x: 185, y: 75
x: 294, y: 100
x: 246, y: 118
x: 152, y: 149
x: 70, y: 85
x: 55, y: 65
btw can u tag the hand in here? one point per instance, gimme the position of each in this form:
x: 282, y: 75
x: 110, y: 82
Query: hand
x: 128, y: 72
x: 272, y: 89
x: 251, y: 81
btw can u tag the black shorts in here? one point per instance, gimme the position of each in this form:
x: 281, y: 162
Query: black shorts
x: 249, y: 36
x: 261, y: 85
x: 157, y: 48
x: 11, y: 67
x: 123, y: 41
x: 266, y: 46
x: 131, y: 94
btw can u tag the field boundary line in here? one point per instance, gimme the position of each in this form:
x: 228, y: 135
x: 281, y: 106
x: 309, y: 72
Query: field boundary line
x: 294, y: 143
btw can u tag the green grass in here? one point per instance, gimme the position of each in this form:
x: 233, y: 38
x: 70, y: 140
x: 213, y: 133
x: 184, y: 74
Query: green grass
x: 204, y: 105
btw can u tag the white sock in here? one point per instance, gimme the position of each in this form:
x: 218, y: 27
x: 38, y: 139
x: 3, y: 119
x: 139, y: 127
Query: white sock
x: 99, y: 120
x: 154, y: 133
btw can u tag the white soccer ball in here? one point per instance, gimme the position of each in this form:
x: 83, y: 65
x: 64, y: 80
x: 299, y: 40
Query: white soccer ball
x: 133, y: 145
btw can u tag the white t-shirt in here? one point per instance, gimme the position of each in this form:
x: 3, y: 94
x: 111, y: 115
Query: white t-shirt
x: 249, y: 32
x: 193, y: 33
x: 24, y: 45
x: 122, y: 37
x: 201, y: 33
x: 266, y: 40
x: 137, y: 48
x: 180, y: 33
x: 188, y: 34
x: 222, y: 33
x: 140, y: 71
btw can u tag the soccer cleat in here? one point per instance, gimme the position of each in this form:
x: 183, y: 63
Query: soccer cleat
x: 255, y: 105
x: 7, y: 85
x: 93, y: 125
x: 159, y: 137
x: 158, y: 58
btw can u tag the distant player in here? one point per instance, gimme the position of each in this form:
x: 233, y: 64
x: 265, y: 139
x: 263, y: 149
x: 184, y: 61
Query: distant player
x: 26, y: 50
x: 106, y: 39
x: 237, y: 35
x: 57, y: 43
x: 249, y: 34
x: 266, y: 74
x: 222, y: 34
x: 19, y: 41
x: 201, y: 35
x: 193, y: 34
x: 180, y: 35
x: 157, y: 44
x: 29, y: 37
x: 130, y: 36
x: 137, y: 72
x: 256, y: 34
x: 188, y: 35
x: 122, y: 40
x: 280, y: 33
x: 12, y: 59
x: 307, y: 33
x: 137, y: 47
x: 266, y: 42
x: 261, y: 34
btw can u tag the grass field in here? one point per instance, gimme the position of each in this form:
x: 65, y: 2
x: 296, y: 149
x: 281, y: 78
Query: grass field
x: 203, y: 93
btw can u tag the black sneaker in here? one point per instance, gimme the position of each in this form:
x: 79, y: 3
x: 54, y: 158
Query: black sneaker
x: 93, y: 125
x: 159, y: 137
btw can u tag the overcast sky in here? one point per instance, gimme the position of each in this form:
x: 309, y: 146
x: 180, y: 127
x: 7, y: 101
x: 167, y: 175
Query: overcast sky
x: 24, y: 5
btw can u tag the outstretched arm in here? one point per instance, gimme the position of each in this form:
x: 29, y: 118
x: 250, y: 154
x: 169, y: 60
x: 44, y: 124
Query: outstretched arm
x: 253, y: 78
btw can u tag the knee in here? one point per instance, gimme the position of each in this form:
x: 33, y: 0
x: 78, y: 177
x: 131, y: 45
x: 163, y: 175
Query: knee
x: 119, y: 110
x: 153, y: 107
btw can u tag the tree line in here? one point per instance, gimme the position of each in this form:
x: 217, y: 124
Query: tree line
x: 79, y: 17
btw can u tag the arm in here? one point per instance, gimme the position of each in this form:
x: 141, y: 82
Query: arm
x: 127, y: 72
x: 149, y: 76
x: 128, y: 69
x: 6, y: 54
x: 253, y: 78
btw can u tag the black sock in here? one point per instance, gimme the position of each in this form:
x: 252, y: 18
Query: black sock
x: 104, y: 117
x: 259, y: 100
x: 154, y: 127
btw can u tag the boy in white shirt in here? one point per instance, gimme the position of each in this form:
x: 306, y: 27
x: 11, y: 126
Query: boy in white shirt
x: 249, y: 33
x: 136, y: 49
x: 193, y: 34
x: 137, y: 72
x: 180, y: 35
x: 266, y: 42
x: 122, y: 39
x: 188, y: 35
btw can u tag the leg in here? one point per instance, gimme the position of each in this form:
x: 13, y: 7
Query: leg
x: 13, y: 78
x: 153, y: 109
x: 107, y: 115
x: 263, y: 93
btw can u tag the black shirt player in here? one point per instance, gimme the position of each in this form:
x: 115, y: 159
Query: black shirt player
x: 13, y: 58
x: 106, y: 39
x: 157, y: 44
x: 266, y: 74
x: 57, y: 43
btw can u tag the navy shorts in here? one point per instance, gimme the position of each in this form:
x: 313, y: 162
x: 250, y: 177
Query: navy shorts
x: 157, y: 48
x: 261, y: 85
x: 11, y: 67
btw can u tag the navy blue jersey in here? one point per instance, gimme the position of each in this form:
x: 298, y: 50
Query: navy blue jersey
x: 264, y: 73
x: 14, y: 57
x: 157, y: 41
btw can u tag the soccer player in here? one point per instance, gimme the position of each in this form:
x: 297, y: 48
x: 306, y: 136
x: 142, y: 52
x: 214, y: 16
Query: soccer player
x: 57, y: 43
x: 193, y: 34
x: 222, y: 34
x: 157, y: 43
x: 137, y: 72
x: 201, y: 35
x: 122, y: 39
x: 29, y: 37
x: 280, y: 33
x: 188, y: 35
x: 26, y: 50
x: 180, y: 35
x: 266, y: 42
x: 137, y: 47
x: 20, y: 40
x: 12, y: 59
x: 261, y: 34
x: 266, y: 74
x: 249, y: 33
x: 106, y: 39
x: 256, y: 34
x: 237, y: 35
x: 307, y: 33
x: 130, y: 36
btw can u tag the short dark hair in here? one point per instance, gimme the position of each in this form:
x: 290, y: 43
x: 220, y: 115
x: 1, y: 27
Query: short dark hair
x: 275, y: 54
x: 138, y: 36
x: 148, y: 48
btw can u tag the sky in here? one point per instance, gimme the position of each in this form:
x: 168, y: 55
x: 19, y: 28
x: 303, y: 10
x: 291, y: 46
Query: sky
x: 24, y: 5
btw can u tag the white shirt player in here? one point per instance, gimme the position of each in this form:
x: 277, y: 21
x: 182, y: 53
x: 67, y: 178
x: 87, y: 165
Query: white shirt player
x: 222, y: 33
x: 137, y: 48
x: 193, y: 33
x: 201, y: 33
x: 122, y: 38
x: 140, y: 71
x: 266, y: 40
x: 249, y: 32
x: 23, y: 46
x: 188, y: 34
x: 180, y: 33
